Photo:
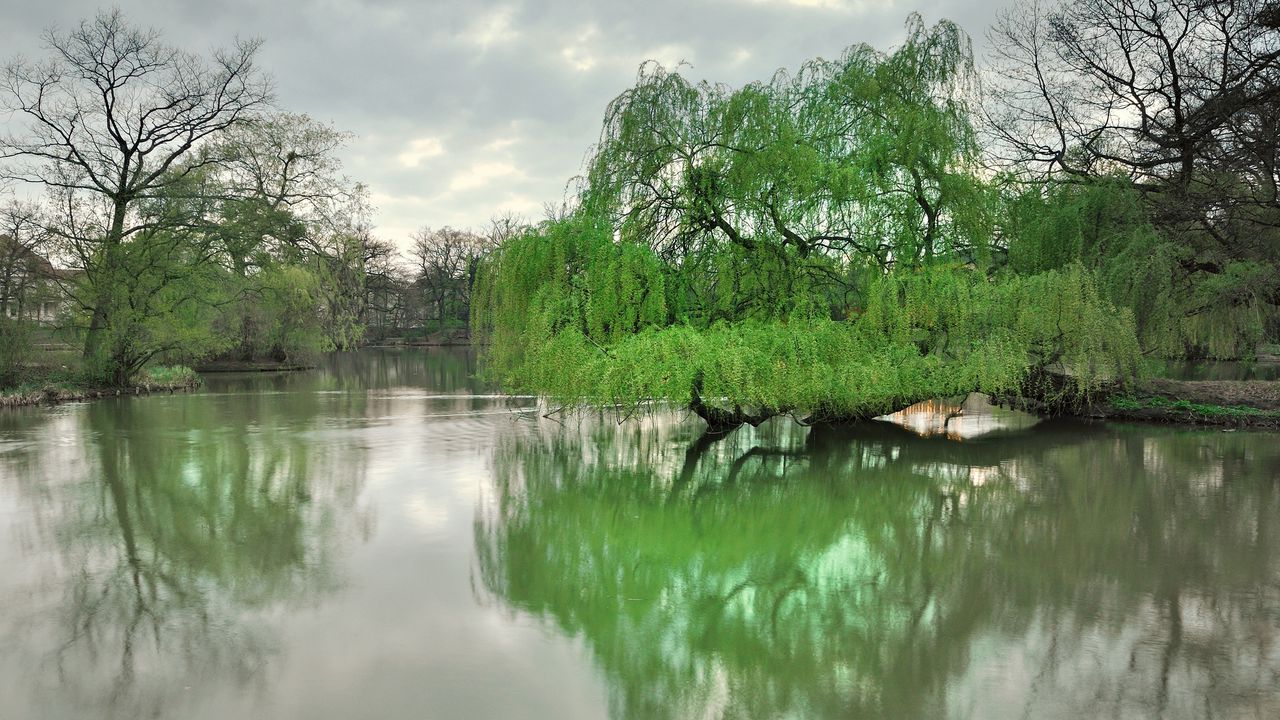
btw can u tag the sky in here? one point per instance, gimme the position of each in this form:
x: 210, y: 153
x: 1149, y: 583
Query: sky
x: 460, y: 111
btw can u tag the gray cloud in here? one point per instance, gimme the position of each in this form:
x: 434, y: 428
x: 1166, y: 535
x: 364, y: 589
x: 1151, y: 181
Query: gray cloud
x: 461, y: 110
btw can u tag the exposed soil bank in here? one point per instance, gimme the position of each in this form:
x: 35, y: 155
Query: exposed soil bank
x: 1234, y: 403
x: 1260, y: 394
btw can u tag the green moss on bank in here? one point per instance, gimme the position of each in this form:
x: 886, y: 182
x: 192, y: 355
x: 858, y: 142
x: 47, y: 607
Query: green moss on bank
x: 63, y: 387
x: 1186, y: 411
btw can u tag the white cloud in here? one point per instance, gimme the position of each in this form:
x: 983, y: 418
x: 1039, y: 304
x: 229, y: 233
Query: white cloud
x: 384, y: 200
x: 502, y: 143
x: 482, y: 174
x: 842, y: 5
x: 669, y: 56
x: 492, y: 29
x: 431, y: 88
x: 578, y: 54
x: 520, y: 204
x: 419, y: 150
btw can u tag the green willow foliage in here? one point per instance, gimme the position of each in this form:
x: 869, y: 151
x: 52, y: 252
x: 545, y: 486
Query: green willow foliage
x: 817, y: 246
x: 1104, y: 225
x: 575, y: 317
x: 567, y: 273
x: 870, y: 155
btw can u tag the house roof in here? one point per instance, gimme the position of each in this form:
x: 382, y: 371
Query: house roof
x: 36, y: 263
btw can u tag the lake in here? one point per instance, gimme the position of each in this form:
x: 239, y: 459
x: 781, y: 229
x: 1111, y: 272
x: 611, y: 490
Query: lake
x: 385, y: 537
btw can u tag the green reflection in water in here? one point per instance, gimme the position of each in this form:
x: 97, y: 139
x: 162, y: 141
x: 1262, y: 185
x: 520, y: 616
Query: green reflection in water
x: 866, y: 572
x: 187, y: 525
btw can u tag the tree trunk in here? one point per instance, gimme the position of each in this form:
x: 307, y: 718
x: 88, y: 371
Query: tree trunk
x: 721, y: 420
x: 106, y: 278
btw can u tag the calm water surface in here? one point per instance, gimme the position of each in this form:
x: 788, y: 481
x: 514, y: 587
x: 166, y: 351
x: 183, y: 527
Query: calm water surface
x: 385, y: 539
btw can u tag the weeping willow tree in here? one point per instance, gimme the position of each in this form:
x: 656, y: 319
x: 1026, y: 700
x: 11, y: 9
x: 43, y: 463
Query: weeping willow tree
x: 816, y: 245
x: 1047, y: 338
x: 871, y: 155
x: 1106, y: 225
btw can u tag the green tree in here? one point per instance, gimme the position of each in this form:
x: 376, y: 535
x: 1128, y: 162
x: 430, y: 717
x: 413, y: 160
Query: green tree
x: 817, y: 246
x: 1177, y: 101
x: 788, y: 184
x: 290, y: 214
x: 115, y: 118
x: 154, y: 294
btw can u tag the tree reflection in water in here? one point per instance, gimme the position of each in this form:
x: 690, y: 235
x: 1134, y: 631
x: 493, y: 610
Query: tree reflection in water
x: 197, y: 530
x: 867, y: 572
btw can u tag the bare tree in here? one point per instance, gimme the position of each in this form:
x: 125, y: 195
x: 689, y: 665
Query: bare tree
x: 1181, y: 97
x: 23, y: 239
x: 1150, y: 88
x: 446, y: 260
x: 113, y: 117
x: 285, y: 159
x: 341, y: 247
x: 386, y: 289
x: 504, y: 227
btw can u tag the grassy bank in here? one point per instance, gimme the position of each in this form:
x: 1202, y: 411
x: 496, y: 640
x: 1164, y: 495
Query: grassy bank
x: 1203, y: 402
x: 54, y: 389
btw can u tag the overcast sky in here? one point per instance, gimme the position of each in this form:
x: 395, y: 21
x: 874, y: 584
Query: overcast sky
x: 461, y: 110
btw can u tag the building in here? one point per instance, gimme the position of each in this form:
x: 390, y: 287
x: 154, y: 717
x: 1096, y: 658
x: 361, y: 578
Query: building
x: 29, y: 284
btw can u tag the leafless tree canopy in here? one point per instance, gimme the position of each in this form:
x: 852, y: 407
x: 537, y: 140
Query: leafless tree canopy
x: 504, y: 227
x: 285, y: 159
x: 117, y: 113
x: 1159, y: 90
x: 446, y: 261
x: 23, y: 240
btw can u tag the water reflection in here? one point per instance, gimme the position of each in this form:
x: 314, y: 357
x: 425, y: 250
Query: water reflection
x: 961, y: 418
x: 383, y: 538
x: 868, y: 572
x: 441, y: 369
x: 162, y: 543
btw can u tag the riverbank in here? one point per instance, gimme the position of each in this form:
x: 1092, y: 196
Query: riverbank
x: 1223, y: 403
x: 457, y: 337
x: 1230, y: 403
x: 221, y: 366
x: 53, y: 392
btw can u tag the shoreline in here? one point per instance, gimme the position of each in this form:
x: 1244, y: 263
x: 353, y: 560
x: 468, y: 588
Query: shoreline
x: 51, y: 394
x: 1241, y: 404
x: 430, y: 342
x: 1216, y: 403
x: 234, y: 366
